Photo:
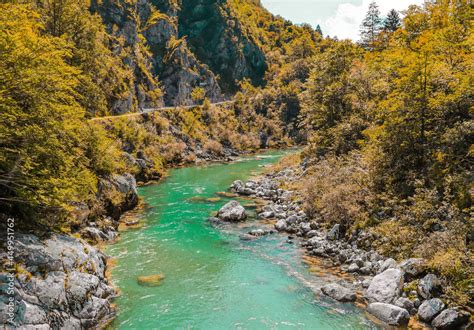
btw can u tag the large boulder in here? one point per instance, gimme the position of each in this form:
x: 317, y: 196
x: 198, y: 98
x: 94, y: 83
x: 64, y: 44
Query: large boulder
x: 237, y: 186
x: 390, y: 314
x: 338, y: 292
x: 267, y: 215
x: 450, y: 319
x: 385, y: 287
x: 62, y: 284
x: 118, y: 193
x: 334, y: 233
x: 232, y: 211
x: 412, y: 268
x: 429, y: 309
x: 353, y: 268
x: 429, y: 286
x: 281, y: 225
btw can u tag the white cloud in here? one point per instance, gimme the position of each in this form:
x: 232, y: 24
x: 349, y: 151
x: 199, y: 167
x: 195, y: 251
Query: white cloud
x: 346, y: 20
x: 339, y: 18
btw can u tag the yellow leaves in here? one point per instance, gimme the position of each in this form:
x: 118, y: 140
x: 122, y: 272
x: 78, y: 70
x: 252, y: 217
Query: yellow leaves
x: 173, y: 46
x: 154, y: 18
x: 198, y: 94
x: 373, y: 132
x: 448, y: 262
x: 440, y: 156
x: 41, y: 124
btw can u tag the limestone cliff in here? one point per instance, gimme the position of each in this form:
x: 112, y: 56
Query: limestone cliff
x: 147, y: 37
x: 174, y: 46
x: 219, y: 39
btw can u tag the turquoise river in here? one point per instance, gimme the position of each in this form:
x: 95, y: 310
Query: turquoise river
x: 212, y: 279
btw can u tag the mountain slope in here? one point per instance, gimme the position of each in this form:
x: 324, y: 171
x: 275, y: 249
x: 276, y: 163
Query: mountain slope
x: 204, y: 44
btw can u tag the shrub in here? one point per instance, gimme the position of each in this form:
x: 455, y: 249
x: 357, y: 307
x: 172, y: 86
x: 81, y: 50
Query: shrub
x: 213, y: 147
x: 198, y: 95
x: 103, y: 152
x: 335, y: 191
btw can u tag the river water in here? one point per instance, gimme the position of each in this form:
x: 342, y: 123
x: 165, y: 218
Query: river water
x: 212, y: 279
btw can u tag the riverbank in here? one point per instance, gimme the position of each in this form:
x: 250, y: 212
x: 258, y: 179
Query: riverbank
x: 60, y: 280
x: 210, y: 278
x: 396, y: 293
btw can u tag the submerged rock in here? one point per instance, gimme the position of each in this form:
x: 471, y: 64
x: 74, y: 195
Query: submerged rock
x: 338, y: 292
x: 247, y: 237
x: 232, y: 211
x: 213, y: 199
x: 390, y: 314
x: 151, y: 280
x: 214, y: 221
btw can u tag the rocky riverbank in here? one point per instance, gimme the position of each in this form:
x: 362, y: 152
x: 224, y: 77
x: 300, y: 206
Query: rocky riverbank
x: 394, y: 292
x: 59, y: 280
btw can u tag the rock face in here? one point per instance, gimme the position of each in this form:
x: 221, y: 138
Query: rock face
x: 390, y: 314
x: 429, y: 309
x: 183, y: 72
x: 232, y: 211
x: 218, y: 39
x: 450, y: 319
x: 62, y: 284
x: 338, y: 292
x: 386, y: 286
x: 168, y: 60
x: 126, y: 186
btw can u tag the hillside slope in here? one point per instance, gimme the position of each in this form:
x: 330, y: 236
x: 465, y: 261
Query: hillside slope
x: 205, y: 46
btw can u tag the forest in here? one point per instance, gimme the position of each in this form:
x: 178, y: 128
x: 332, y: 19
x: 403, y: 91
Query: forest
x: 385, y: 124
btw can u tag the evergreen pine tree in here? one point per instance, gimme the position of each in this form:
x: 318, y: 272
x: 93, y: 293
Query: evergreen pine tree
x: 392, y: 22
x: 371, y: 26
x: 318, y: 30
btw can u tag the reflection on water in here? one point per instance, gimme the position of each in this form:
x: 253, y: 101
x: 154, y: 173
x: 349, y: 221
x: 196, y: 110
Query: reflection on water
x: 212, y: 279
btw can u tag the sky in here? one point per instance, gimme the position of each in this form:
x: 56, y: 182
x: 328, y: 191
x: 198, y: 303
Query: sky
x: 337, y: 18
